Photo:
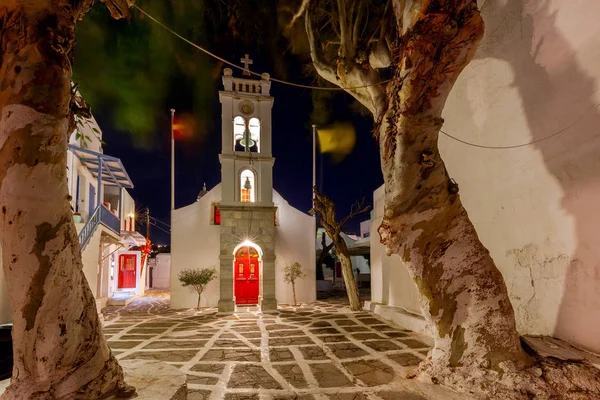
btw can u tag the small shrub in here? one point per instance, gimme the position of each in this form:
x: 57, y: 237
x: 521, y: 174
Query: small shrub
x: 291, y: 273
x: 198, y: 279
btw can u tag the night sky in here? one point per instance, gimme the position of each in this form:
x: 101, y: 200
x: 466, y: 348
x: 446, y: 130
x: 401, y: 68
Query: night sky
x: 353, y: 178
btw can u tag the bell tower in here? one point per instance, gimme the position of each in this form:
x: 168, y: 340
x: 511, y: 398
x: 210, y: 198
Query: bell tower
x: 246, y: 158
x: 248, y: 215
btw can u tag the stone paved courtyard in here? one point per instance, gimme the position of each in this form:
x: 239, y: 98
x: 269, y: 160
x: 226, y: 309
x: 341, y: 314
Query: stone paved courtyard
x: 319, y: 351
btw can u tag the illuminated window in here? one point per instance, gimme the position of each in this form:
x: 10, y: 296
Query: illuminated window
x: 247, y: 187
x: 216, y: 215
x: 254, y: 127
x: 239, y: 131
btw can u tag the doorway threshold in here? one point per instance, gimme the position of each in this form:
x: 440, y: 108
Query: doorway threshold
x: 247, y: 308
x: 121, y: 298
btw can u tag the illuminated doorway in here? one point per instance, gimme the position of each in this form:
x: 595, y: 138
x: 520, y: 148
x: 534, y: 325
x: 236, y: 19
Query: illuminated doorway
x: 246, y: 275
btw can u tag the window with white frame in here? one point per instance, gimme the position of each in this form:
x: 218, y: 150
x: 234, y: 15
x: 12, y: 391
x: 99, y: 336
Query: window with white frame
x: 247, y: 187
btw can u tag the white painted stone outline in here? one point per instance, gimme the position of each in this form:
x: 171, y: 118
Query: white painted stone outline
x: 221, y: 326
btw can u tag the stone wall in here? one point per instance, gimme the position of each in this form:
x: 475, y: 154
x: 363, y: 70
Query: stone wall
x: 254, y: 224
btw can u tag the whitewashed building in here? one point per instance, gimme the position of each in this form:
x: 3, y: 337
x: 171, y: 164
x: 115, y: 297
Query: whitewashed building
x: 104, y: 217
x: 242, y: 227
x: 536, y: 207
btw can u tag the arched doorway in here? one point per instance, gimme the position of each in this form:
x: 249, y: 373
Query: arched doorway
x: 246, y: 275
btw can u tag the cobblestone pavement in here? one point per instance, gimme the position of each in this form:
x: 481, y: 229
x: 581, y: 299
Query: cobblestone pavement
x: 319, y: 351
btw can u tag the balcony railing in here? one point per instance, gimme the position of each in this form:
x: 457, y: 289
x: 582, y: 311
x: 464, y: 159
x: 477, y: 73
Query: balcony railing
x: 88, y: 229
x: 101, y: 215
x: 110, y: 220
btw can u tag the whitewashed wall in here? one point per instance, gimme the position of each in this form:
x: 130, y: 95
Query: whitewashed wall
x: 195, y: 244
x: 294, y: 241
x: 536, y: 208
x: 127, y: 208
x: 161, y: 274
x: 391, y: 283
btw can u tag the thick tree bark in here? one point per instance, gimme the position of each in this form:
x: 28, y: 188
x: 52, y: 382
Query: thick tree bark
x: 463, y: 295
x: 342, y: 253
x: 59, y: 349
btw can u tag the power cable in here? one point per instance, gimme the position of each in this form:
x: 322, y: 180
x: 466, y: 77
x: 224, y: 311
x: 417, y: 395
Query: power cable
x: 252, y: 72
x: 356, y: 87
x: 157, y: 226
x: 158, y: 220
x: 523, y: 144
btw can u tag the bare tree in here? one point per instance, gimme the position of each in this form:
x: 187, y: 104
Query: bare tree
x: 324, y: 206
x: 400, y: 59
x: 326, y: 248
x: 59, y: 348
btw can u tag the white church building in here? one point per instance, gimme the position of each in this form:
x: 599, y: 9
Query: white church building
x: 242, y: 227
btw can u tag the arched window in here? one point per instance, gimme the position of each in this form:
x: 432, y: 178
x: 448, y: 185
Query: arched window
x: 247, y: 187
x: 254, y: 127
x: 239, y: 129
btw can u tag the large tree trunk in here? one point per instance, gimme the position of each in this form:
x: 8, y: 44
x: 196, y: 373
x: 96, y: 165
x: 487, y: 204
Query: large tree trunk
x: 59, y: 348
x: 463, y: 295
x: 341, y: 251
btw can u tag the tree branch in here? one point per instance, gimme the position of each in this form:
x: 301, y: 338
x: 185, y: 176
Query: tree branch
x: 326, y: 71
x: 299, y: 13
x: 119, y: 8
x: 357, y: 20
x: 343, y: 51
x: 361, y: 81
x: 357, y: 208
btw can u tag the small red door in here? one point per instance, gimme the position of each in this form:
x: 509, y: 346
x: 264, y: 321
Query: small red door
x: 246, y: 276
x: 127, y: 271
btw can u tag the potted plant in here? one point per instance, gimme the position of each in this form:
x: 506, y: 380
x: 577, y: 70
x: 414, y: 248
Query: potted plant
x: 198, y: 279
x: 292, y: 272
x: 77, y: 217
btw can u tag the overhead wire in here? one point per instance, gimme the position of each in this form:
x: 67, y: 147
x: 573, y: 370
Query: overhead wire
x: 158, y: 220
x: 223, y: 60
x: 481, y: 146
x: 284, y: 82
x: 157, y: 226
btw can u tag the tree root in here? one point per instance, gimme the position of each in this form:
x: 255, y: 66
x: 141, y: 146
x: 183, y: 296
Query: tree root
x: 548, y: 378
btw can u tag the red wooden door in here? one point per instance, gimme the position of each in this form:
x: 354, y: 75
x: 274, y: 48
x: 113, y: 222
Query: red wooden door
x: 246, y: 277
x: 127, y: 271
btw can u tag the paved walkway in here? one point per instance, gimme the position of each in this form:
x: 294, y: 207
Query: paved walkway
x: 320, y: 351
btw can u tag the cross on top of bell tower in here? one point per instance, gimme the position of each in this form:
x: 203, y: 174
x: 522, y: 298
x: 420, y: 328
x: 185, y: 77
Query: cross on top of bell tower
x: 246, y: 61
